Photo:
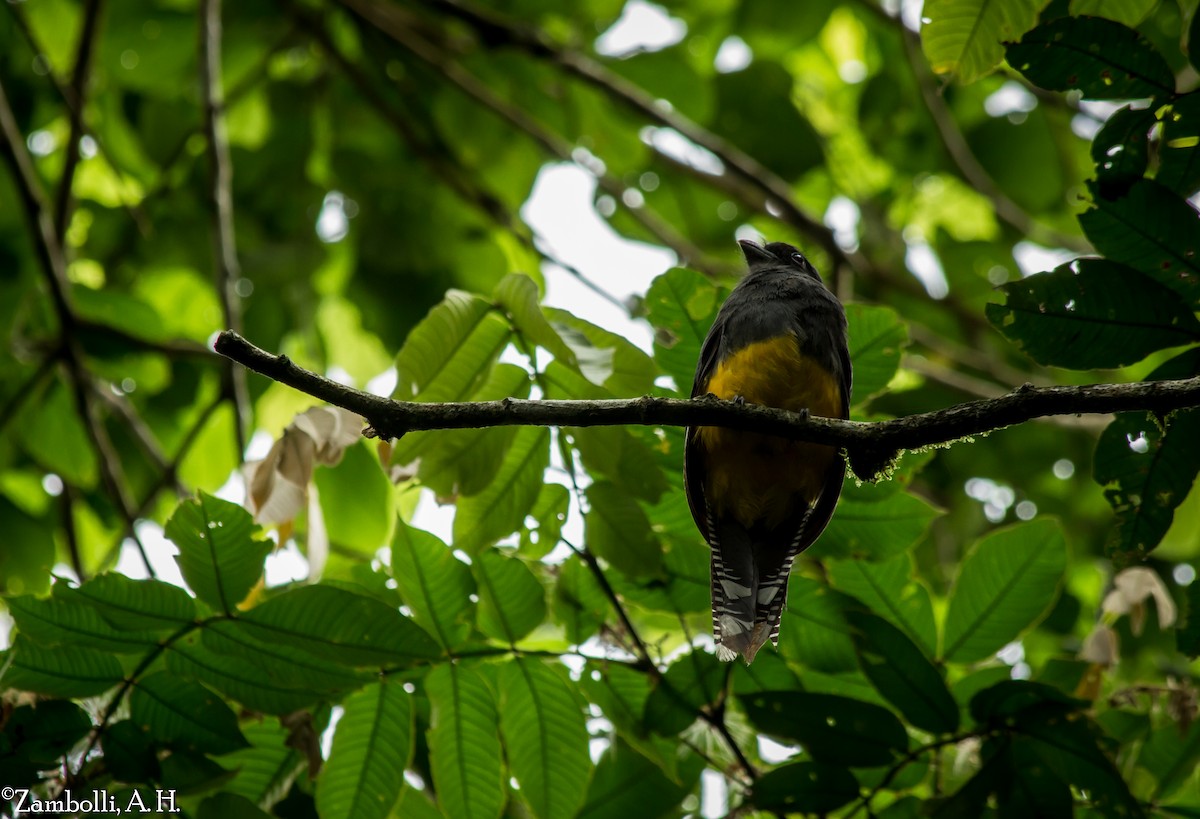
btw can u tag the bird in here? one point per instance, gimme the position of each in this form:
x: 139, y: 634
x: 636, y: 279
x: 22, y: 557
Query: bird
x: 779, y: 340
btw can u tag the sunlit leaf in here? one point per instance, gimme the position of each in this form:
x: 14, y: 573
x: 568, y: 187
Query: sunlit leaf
x: 219, y: 555
x: 964, y: 38
x: 512, y: 601
x: 434, y: 584
x: 500, y: 509
x: 184, y: 714
x: 464, y: 747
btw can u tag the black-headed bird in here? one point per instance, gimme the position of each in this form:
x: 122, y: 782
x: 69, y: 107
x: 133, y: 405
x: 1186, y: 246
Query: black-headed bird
x: 779, y: 340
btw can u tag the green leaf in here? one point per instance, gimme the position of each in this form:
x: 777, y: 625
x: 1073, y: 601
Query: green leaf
x: 1146, y: 473
x: 1007, y: 582
x: 1121, y: 149
x: 1102, y: 59
x: 448, y: 352
x: 877, y: 340
x: 184, y: 714
x: 268, y: 767
x: 605, y: 358
x: 55, y: 438
x: 263, y: 677
x: 339, y: 625
x: 1092, y: 313
x: 617, y: 529
x: 465, y: 461
x: 1151, y: 229
x: 1187, y: 634
x: 833, y: 730
x: 372, y: 746
x: 805, y: 787
x: 550, y: 511
x: 580, y: 605
x: 681, y: 305
x: 357, y: 500
x: 963, y: 37
x: 219, y: 556
x: 903, y: 674
x: 129, y: 753
x: 229, y: 806
x: 518, y: 295
x: 37, y: 738
x: 464, y: 747
x: 545, y: 736
x: 813, y: 628
x: 694, y: 681
x: 435, y: 584
x: 753, y: 106
x: 1171, y: 754
x: 889, y: 589
x: 875, y: 522
x: 500, y: 509
x: 512, y: 601
x: 1179, y: 155
x: 626, y: 784
x: 1034, y: 790
x: 80, y: 672
x: 57, y: 622
x: 135, y: 605
x: 1128, y: 12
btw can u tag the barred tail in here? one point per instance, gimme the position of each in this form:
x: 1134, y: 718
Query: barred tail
x: 734, y: 590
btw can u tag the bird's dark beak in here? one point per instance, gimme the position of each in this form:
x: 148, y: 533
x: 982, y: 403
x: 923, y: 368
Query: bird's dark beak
x: 755, y: 252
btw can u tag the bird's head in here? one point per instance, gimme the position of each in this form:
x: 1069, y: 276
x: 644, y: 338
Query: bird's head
x: 777, y: 255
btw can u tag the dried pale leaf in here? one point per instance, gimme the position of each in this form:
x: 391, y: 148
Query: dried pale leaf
x: 318, y: 536
x: 332, y: 429
x: 1101, y: 646
x: 277, y: 484
x: 1131, y: 588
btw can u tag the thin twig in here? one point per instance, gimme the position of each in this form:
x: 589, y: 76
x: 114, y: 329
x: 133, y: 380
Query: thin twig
x: 871, y: 446
x: 77, y: 93
x: 228, y: 272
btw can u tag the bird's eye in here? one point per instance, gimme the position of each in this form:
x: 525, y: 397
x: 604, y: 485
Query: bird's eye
x: 798, y: 259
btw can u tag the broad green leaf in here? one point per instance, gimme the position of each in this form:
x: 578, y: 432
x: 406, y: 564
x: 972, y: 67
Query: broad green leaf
x: 626, y: 784
x: 755, y: 104
x: 339, y: 625
x: 1187, y: 634
x: 545, y: 737
x: 135, y: 605
x: 80, y: 672
x: 129, y: 753
x: 184, y: 714
x: 445, y: 355
x: 372, y: 745
x: 580, y: 605
x: 28, y: 553
x: 877, y: 340
x: 1121, y: 149
x: 889, y: 589
x: 1102, y: 59
x: 805, y: 787
x: 512, y: 601
x: 1128, y: 12
x: 1179, y: 158
x: 694, y: 681
x: 875, y: 522
x: 813, y: 629
x: 56, y: 622
x: 224, y: 805
x: 1151, y: 229
x: 55, y: 438
x: 1092, y: 313
x: 1007, y: 583
x: 267, y: 768
x: 605, y: 358
x: 464, y: 747
x: 963, y: 37
x: 1146, y: 473
x: 617, y: 529
x: 1171, y: 754
x: 435, y: 584
x: 682, y: 305
x: 261, y: 676
x: 37, y: 738
x: 465, y: 461
x: 550, y: 511
x: 219, y: 555
x: 357, y: 500
x: 518, y: 295
x: 834, y: 730
x: 500, y: 509
x: 1034, y: 789
x: 903, y: 674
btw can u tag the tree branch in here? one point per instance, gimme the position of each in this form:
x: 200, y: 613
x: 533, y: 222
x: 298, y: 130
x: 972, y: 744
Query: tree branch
x: 77, y: 93
x: 228, y: 272
x: 870, y: 446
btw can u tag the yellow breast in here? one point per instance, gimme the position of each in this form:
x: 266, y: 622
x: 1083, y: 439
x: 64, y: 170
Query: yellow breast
x: 758, y: 479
